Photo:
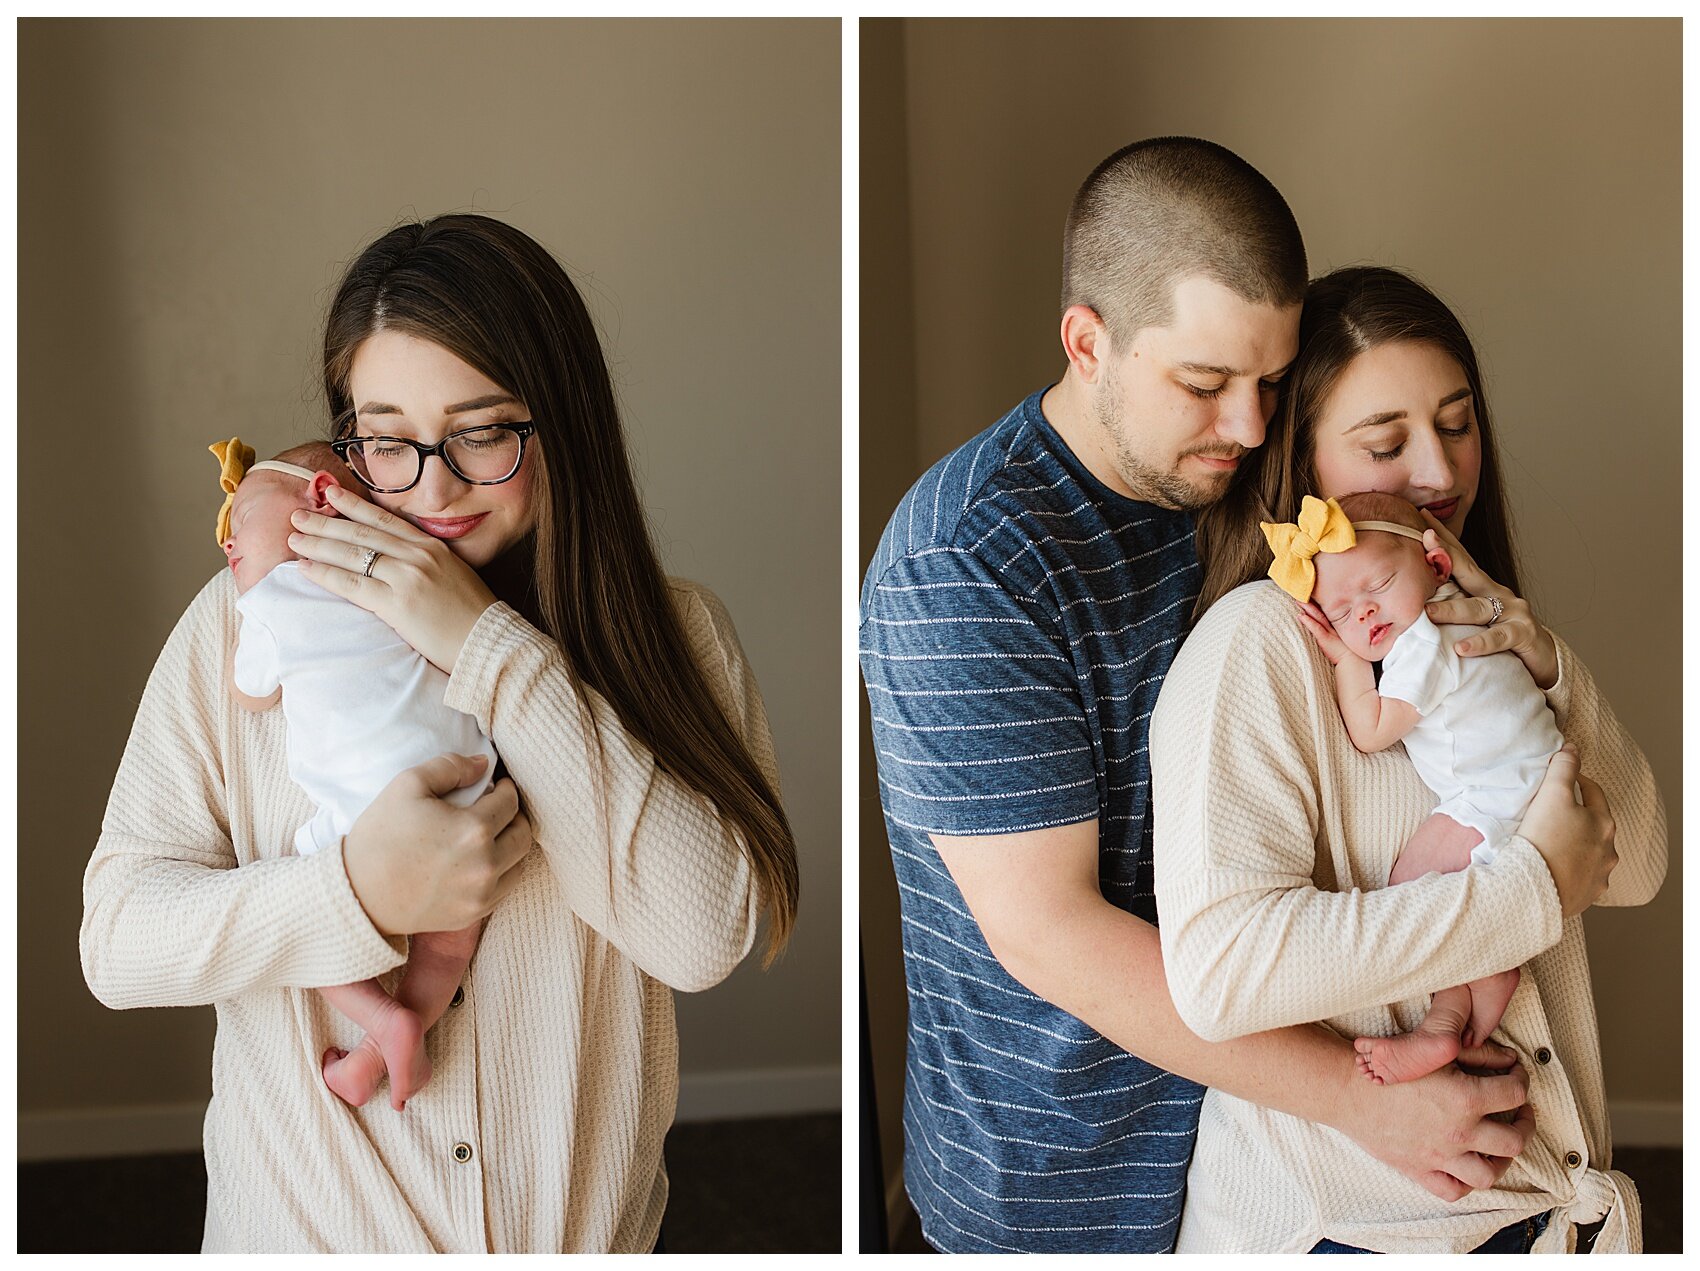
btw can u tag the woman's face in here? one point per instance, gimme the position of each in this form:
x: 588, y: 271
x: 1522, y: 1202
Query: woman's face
x: 404, y: 386
x: 1401, y: 420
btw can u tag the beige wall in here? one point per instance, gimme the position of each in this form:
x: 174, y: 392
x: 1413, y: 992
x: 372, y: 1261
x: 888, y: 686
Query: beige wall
x: 1530, y: 172
x: 189, y: 191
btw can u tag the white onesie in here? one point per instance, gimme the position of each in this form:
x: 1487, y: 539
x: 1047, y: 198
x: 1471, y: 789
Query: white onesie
x: 1486, y: 732
x: 361, y: 704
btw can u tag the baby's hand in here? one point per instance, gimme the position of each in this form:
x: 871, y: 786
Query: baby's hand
x: 1322, y: 631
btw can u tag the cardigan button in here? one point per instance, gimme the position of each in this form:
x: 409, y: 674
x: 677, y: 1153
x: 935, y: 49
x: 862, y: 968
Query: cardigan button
x: 1572, y: 1159
x: 1543, y: 1056
x: 460, y: 996
x: 463, y: 1152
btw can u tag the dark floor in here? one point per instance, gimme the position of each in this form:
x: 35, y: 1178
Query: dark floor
x: 765, y: 1186
x: 1657, y: 1172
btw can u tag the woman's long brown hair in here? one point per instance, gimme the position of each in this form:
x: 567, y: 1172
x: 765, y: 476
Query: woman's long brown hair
x: 501, y: 303
x: 1347, y: 312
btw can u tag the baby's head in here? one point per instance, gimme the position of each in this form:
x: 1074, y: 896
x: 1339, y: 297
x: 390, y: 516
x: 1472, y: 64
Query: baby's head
x: 1374, y: 591
x: 258, y: 539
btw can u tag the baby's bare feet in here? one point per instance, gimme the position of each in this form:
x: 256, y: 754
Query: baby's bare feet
x: 353, y: 1075
x: 1388, y: 1060
x: 396, y: 1043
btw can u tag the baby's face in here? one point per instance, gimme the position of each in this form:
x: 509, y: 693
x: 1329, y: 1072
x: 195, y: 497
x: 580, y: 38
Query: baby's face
x: 259, y: 525
x: 1374, y: 591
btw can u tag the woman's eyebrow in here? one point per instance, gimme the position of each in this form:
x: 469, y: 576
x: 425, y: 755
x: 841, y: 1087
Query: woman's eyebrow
x: 459, y: 408
x: 480, y: 403
x: 1456, y: 395
x: 1382, y: 417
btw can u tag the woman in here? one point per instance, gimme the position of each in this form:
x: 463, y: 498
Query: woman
x: 1274, y: 834
x: 625, y: 714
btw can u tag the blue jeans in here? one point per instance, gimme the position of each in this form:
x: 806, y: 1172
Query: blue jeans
x: 1519, y: 1237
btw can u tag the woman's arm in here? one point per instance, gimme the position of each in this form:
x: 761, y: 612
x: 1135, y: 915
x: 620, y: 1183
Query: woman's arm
x: 1249, y: 941
x: 640, y: 856
x: 168, y: 917
x: 1611, y: 757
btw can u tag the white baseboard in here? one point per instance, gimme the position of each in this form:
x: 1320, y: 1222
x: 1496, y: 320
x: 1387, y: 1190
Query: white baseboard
x: 163, y: 1128
x: 1646, y: 1124
x: 102, y: 1132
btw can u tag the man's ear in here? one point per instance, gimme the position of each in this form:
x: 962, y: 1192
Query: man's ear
x: 1086, y: 341
x: 316, y: 488
x: 1440, y: 562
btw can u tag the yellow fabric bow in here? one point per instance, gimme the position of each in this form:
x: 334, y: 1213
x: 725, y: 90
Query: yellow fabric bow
x: 1322, y: 527
x: 234, y: 461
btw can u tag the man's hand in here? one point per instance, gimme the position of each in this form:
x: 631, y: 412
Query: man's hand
x: 1576, y: 841
x: 1439, y: 1131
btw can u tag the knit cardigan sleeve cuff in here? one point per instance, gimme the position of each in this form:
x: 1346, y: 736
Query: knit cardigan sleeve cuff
x: 1558, y: 696
x: 365, y: 947
x: 1529, y: 881
x: 493, y: 639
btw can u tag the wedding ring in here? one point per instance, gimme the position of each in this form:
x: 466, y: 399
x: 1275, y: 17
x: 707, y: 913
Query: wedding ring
x: 373, y: 553
x: 1498, y: 610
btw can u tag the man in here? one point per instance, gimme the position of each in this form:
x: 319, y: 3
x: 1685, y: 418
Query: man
x: 1025, y: 602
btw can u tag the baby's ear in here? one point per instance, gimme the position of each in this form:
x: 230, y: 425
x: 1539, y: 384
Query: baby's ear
x: 316, y: 488
x: 1440, y: 561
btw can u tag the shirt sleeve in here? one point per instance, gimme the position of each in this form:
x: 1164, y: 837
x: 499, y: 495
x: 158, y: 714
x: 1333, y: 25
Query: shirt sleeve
x: 1249, y: 941
x: 1421, y: 669
x: 1610, y: 757
x: 639, y: 855
x: 169, y: 916
x: 255, y: 665
x: 976, y: 709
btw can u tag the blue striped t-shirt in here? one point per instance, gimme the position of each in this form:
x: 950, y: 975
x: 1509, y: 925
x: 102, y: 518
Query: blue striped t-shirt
x: 1016, y: 625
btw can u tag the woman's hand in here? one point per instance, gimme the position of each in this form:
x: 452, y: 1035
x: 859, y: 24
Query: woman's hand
x: 417, y: 862
x: 1576, y: 840
x: 1516, y: 629
x: 428, y: 594
x: 1322, y: 631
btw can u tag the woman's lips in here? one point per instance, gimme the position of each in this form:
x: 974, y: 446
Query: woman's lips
x: 1440, y: 511
x: 449, y: 526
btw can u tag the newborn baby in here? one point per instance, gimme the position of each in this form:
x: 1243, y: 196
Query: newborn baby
x: 361, y: 705
x: 1478, y: 730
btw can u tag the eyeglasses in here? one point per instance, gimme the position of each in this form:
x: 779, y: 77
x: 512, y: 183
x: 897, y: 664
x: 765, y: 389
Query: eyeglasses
x: 478, y: 456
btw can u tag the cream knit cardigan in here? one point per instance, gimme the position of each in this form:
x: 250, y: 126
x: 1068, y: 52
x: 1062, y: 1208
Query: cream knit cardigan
x: 555, y: 1079
x: 1274, y: 840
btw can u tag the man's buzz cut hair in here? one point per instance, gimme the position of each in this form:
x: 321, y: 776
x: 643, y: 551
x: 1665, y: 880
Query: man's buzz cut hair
x: 1168, y: 208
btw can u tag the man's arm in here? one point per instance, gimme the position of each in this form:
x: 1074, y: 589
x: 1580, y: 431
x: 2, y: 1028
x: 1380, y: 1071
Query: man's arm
x: 1036, y: 898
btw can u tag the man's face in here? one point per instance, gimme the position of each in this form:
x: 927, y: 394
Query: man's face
x: 1183, y: 402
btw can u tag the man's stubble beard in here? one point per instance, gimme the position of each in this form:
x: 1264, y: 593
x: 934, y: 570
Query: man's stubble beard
x: 1149, y: 484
